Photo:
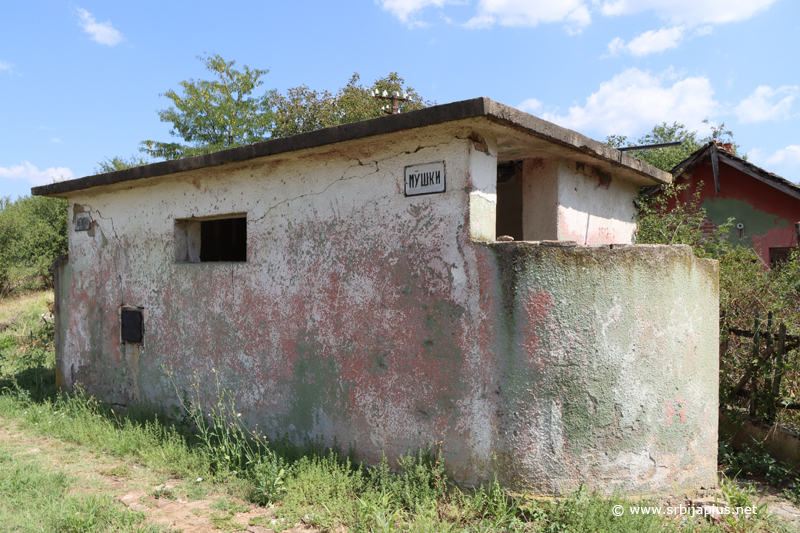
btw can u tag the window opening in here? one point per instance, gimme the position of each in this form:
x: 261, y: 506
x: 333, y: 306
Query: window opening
x: 778, y: 256
x: 211, y: 240
x: 509, y: 200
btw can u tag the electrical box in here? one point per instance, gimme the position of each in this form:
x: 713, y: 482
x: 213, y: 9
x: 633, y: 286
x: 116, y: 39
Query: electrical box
x: 132, y: 325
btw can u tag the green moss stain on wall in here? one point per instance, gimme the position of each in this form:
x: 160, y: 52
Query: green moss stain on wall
x: 316, y: 385
x: 617, y: 362
x: 755, y: 222
x: 440, y: 321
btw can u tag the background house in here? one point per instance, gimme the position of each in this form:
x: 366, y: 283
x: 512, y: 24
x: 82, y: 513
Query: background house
x: 764, y: 207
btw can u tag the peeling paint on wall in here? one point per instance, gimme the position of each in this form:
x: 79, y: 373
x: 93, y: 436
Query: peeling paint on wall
x: 390, y: 322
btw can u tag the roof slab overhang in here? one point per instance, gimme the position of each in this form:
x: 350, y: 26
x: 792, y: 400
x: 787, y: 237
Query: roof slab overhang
x: 518, y: 134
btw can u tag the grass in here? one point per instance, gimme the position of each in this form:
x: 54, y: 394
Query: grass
x: 321, y: 487
x: 35, y: 499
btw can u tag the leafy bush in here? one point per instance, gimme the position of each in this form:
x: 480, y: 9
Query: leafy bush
x: 27, y: 342
x: 663, y: 219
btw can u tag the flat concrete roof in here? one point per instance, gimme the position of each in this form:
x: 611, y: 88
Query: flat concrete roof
x: 562, y: 140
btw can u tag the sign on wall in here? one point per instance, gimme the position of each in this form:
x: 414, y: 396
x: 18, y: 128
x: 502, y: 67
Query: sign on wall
x: 427, y: 178
x: 83, y: 221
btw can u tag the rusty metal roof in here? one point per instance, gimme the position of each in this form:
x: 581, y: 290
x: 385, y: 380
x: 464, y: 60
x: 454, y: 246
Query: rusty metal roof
x: 522, y: 135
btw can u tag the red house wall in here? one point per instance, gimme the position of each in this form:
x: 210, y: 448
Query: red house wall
x: 768, y: 214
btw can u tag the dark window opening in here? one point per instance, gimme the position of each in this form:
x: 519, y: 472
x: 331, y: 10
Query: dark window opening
x: 223, y: 240
x: 132, y: 325
x: 203, y: 240
x: 778, y: 256
x: 509, y: 200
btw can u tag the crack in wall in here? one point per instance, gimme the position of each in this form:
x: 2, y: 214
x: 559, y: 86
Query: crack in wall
x: 113, y: 254
x: 376, y: 162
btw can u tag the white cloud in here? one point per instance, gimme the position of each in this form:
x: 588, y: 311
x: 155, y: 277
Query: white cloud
x: 5, y: 66
x: 648, y: 42
x: 404, y: 9
x: 530, y: 13
x: 26, y: 171
x: 703, y: 30
x: 55, y: 140
x: 633, y: 101
x: 784, y: 162
x: 691, y: 12
x: 766, y: 104
x: 576, y: 15
x: 101, y: 32
x: 789, y: 156
x: 573, y: 13
x: 531, y: 105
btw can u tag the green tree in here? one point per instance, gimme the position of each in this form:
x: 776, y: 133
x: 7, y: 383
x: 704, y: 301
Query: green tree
x: 113, y: 164
x: 214, y: 115
x: 33, y: 233
x: 667, y: 158
x: 302, y: 109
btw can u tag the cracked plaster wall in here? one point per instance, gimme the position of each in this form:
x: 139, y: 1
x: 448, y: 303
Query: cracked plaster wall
x: 388, y: 322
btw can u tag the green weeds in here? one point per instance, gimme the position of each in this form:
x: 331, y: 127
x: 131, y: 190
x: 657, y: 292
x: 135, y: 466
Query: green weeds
x: 27, y: 353
x: 752, y: 461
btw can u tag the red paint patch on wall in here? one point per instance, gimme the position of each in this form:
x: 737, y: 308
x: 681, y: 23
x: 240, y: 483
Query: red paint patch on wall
x: 785, y: 237
x: 670, y: 412
x: 537, y: 310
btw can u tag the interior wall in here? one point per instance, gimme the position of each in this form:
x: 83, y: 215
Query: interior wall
x: 509, y: 209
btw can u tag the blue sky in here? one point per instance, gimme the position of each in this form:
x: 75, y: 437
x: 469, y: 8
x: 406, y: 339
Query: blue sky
x: 80, y: 80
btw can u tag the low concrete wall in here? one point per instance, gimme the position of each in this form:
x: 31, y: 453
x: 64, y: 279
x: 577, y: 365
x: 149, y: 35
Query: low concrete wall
x: 606, y: 370
x: 783, y: 444
x: 62, y: 277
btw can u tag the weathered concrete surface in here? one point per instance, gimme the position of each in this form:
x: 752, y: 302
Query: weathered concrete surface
x: 607, y: 365
x: 62, y: 277
x: 572, y: 201
x: 389, y: 322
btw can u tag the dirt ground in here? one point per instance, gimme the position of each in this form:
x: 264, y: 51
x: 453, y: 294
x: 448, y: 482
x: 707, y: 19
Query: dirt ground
x: 180, y: 505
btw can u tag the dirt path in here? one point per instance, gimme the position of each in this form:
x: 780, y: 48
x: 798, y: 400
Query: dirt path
x: 189, y: 506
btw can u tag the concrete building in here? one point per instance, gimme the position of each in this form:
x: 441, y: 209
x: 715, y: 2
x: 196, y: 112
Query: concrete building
x: 348, y: 284
x: 764, y: 207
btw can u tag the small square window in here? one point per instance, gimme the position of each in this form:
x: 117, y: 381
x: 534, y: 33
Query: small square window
x: 777, y: 256
x: 132, y: 325
x: 211, y: 240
